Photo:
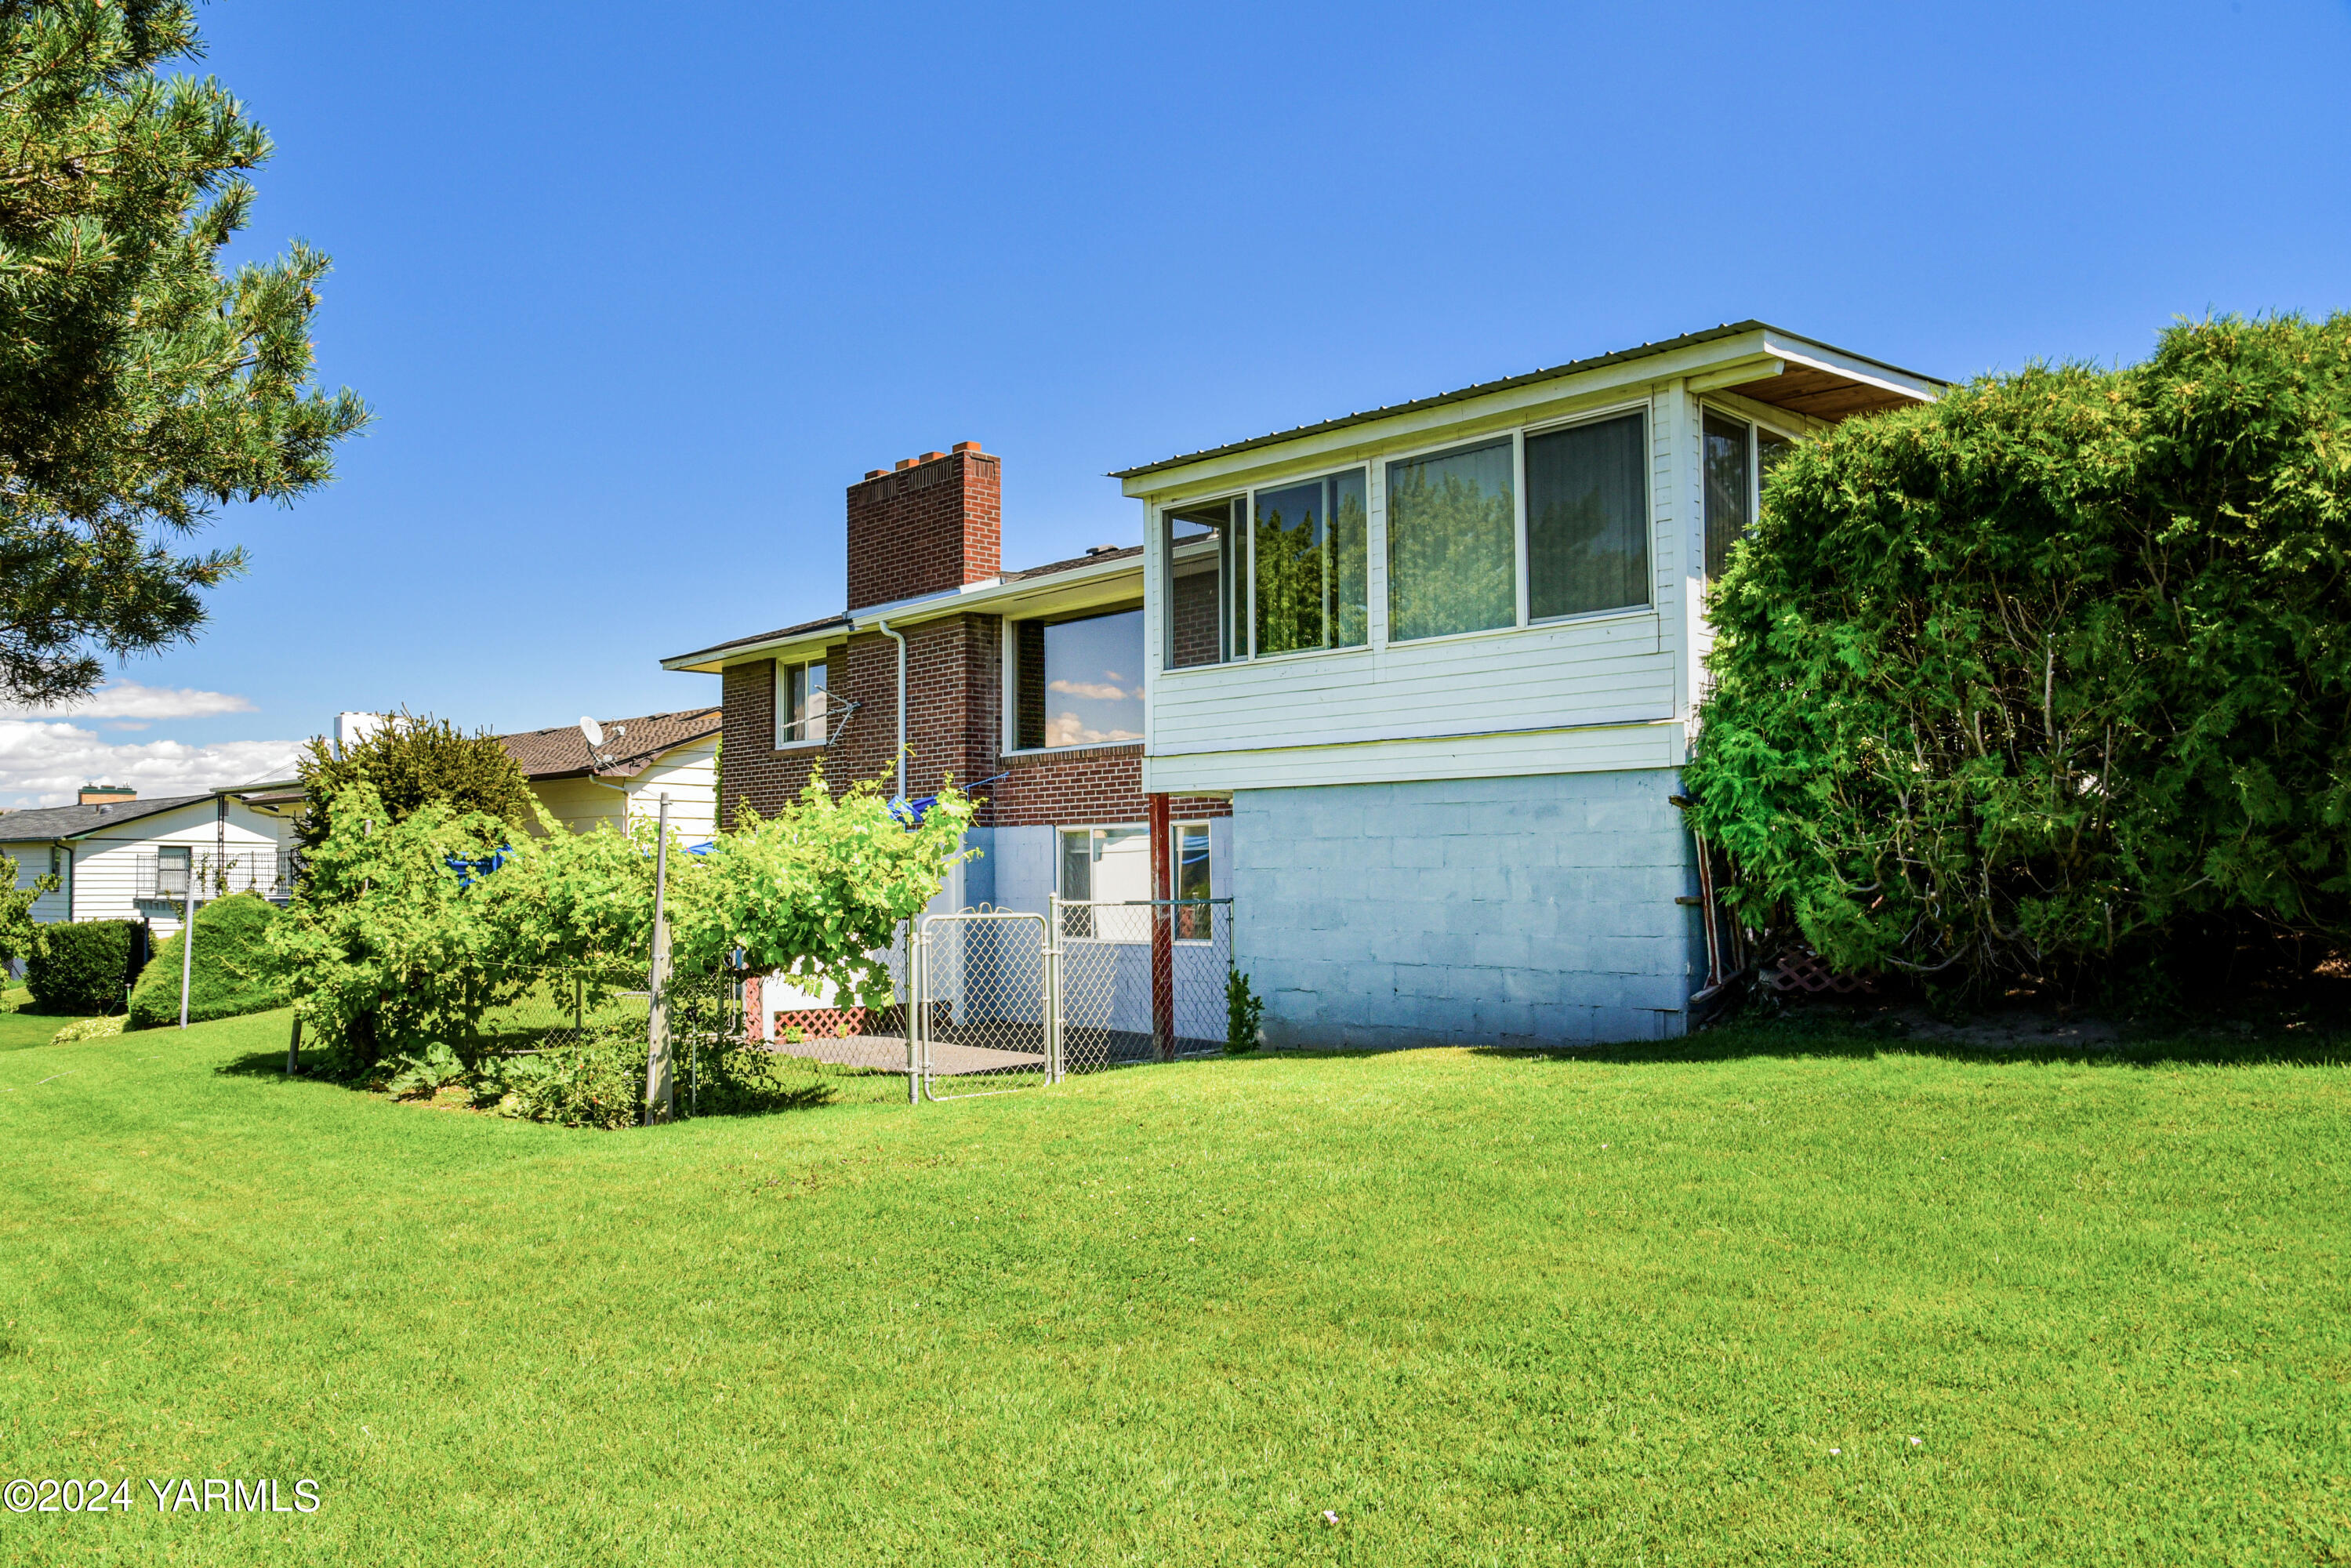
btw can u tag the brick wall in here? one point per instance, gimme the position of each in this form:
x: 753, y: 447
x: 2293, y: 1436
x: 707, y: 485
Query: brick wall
x: 932, y: 523
x: 1097, y: 784
x: 955, y: 686
x: 927, y: 526
x: 1194, y: 603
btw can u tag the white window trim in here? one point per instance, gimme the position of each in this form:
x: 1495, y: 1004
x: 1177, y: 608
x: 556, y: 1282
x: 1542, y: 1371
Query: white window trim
x: 781, y: 699
x: 1374, y: 465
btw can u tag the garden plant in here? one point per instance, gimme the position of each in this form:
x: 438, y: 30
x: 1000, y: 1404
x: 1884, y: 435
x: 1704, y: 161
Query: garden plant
x: 2043, y: 684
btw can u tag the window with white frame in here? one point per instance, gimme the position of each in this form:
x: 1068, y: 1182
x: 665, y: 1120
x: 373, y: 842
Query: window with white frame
x: 800, y: 703
x: 1588, y: 518
x: 1738, y: 457
x: 1103, y: 865
x: 1307, y: 577
x: 1190, y: 885
x: 172, y: 862
x: 1208, y: 593
x: 1452, y: 541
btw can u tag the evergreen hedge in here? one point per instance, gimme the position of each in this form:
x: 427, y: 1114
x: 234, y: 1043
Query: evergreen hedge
x: 81, y: 967
x: 2049, y: 681
x: 228, y: 977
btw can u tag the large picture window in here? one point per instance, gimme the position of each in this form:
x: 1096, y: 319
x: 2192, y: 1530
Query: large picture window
x: 1588, y: 518
x: 1308, y: 565
x: 1452, y: 543
x: 1078, y: 682
x: 1202, y: 545
x: 800, y: 701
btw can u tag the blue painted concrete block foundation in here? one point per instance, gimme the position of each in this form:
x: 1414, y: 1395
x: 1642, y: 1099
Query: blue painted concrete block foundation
x: 1501, y: 911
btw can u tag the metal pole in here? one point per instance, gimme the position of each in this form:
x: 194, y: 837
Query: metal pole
x: 294, y: 1049
x: 660, y: 1096
x: 1056, y: 1058
x: 910, y: 1009
x: 188, y: 902
x: 1163, y: 934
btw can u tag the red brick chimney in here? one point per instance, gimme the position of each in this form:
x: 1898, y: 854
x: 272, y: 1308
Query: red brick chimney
x: 931, y: 523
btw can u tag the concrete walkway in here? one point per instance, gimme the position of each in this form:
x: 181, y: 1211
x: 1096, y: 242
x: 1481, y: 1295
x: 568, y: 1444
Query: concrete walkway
x: 887, y: 1053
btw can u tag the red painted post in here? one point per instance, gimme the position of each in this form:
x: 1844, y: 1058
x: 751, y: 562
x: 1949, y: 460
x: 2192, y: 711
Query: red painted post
x: 1163, y: 934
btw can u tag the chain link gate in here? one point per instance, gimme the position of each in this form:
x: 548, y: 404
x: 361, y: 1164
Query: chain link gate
x: 984, y: 1021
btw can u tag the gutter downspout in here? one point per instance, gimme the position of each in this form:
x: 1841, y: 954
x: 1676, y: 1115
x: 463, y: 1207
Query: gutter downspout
x: 883, y: 626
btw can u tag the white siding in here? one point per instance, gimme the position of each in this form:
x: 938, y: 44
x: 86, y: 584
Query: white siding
x: 107, y: 863
x: 1608, y: 749
x: 688, y: 774
x: 1602, y: 692
x: 1582, y: 672
x: 32, y: 864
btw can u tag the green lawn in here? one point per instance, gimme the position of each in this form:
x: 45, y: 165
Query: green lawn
x: 1768, y: 1298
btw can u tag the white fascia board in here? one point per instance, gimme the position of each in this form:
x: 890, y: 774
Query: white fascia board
x: 1427, y: 425
x: 711, y: 664
x: 1763, y: 368
x: 998, y: 597
x: 1852, y: 367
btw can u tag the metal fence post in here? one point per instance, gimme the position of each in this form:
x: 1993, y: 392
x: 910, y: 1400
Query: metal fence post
x: 661, y: 1091
x: 1054, y: 1063
x: 914, y: 1007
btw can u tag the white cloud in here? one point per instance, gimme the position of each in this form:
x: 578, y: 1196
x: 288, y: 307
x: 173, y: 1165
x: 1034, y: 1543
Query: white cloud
x: 43, y: 763
x: 1094, y: 689
x: 1065, y: 729
x: 128, y: 699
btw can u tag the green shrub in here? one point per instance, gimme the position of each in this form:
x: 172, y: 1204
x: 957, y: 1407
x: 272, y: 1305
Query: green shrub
x: 2043, y: 682
x: 83, y: 968
x: 1244, y: 1014
x: 231, y: 973
x: 88, y: 1029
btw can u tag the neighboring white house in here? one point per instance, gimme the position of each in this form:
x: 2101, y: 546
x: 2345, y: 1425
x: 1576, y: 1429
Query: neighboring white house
x: 118, y: 858
x: 1446, y: 660
x: 642, y: 760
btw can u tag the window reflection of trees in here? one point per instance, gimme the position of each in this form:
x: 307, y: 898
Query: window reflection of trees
x: 1310, y: 545
x: 1451, y: 547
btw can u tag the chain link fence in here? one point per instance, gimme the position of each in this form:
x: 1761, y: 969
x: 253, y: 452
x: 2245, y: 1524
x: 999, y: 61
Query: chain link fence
x: 1119, y: 1003
x: 985, y: 1002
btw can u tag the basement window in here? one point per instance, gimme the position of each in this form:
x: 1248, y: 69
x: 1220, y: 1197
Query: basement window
x: 1192, y: 887
x: 801, y: 703
x: 1077, y: 681
x: 1104, y: 865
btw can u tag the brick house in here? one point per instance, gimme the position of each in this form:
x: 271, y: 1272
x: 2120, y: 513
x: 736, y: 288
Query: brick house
x: 1413, y: 687
x: 1031, y: 679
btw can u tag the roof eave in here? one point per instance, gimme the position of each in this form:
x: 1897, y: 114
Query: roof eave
x: 1766, y: 339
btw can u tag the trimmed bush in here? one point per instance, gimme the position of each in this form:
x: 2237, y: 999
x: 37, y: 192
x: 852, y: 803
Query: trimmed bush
x: 84, y: 968
x: 2044, y: 682
x: 231, y: 974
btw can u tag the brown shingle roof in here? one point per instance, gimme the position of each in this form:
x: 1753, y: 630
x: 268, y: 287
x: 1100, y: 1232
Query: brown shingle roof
x: 563, y: 751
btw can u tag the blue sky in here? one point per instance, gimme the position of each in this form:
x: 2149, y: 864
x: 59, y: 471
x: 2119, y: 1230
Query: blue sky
x: 636, y: 292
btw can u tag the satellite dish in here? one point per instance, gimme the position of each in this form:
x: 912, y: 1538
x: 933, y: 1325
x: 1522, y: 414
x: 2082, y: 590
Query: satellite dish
x: 592, y: 732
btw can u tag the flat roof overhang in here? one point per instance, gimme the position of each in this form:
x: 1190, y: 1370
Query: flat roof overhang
x: 1752, y: 360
